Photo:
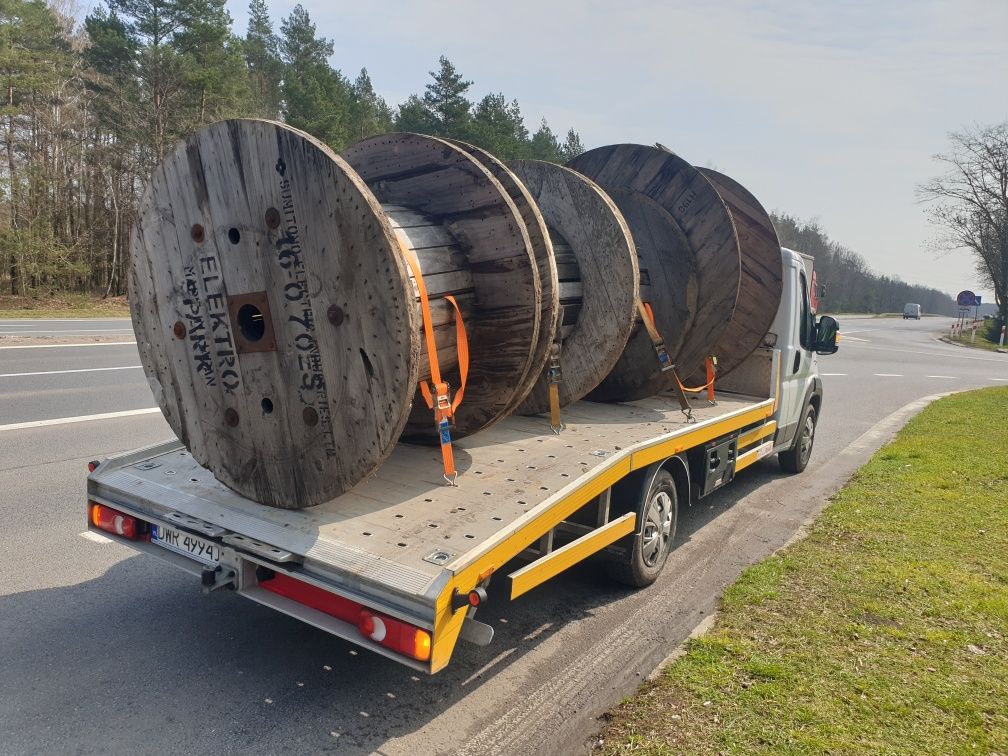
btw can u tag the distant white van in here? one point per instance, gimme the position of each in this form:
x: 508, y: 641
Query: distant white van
x: 911, y: 310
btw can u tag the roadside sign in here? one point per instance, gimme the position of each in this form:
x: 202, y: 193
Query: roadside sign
x: 966, y: 299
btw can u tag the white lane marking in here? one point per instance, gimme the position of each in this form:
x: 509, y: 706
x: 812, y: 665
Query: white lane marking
x: 819, y: 374
x: 96, y: 537
x: 847, y: 337
x: 66, y: 332
x: 19, y: 321
x: 950, y: 377
x: 62, y: 372
x: 956, y: 352
x: 999, y: 379
x: 67, y: 346
x: 888, y: 375
x: 77, y: 419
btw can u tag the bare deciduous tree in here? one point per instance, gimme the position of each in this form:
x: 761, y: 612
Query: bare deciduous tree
x: 969, y: 201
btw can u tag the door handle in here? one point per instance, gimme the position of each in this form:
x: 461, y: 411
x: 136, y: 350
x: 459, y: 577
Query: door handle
x: 797, y: 361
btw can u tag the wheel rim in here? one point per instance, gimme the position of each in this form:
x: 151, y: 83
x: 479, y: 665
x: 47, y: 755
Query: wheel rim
x: 657, y: 530
x: 808, y: 433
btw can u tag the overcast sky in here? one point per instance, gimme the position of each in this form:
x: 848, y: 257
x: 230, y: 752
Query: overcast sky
x: 826, y: 109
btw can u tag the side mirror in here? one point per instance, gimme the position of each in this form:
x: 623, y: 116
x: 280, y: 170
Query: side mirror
x: 827, y: 330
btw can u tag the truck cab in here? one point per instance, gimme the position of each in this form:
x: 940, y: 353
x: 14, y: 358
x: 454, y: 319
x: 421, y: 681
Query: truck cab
x: 800, y: 338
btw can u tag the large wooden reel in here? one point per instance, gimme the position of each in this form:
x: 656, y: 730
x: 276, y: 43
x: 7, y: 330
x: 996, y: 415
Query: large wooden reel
x: 274, y: 315
x: 546, y: 265
x: 689, y: 257
x: 453, y: 190
x: 762, y: 274
x: 598, y: 278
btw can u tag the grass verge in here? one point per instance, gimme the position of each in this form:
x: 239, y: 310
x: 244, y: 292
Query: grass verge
x: 63, y: 306
x: 983, y: 338
x: 884, y: 631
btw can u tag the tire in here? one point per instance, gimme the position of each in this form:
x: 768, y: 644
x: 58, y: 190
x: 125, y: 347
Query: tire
x: 795, y: 459
x: 648, y: 550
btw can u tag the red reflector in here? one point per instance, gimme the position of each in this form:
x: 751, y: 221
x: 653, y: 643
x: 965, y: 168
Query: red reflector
x: 395, y: 634
x: 115, y: 522
x: 314, y: 597
x: 93, y: 465
x: 391, y: 633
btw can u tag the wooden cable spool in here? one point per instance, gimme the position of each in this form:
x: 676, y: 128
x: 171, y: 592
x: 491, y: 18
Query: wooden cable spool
x: 598, y: 278
x: 689, y: 257
x: 762, y: 275
x: 449, y: 188
x: 546, y: 264
x: 274, y: 313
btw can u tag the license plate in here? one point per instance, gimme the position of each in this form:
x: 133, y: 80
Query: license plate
x: 197, y: 548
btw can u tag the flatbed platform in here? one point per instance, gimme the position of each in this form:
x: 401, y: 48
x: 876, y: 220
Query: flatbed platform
x: 402, y: 529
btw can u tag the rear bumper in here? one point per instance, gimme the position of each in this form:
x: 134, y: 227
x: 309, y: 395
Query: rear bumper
x: 246, y: 574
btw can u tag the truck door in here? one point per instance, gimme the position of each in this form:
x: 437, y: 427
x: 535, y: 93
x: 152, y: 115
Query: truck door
x: 798, y: 361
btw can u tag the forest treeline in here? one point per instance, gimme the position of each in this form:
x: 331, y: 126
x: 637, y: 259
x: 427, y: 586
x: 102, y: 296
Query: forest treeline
x: 90, y: 108
x: 851, y: 286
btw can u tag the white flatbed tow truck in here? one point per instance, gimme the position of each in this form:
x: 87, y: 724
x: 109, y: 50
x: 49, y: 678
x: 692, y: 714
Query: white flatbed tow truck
x: 400, y: 563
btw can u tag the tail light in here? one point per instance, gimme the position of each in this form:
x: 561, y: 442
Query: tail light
x: 395, y: 634
x: 115, y: 522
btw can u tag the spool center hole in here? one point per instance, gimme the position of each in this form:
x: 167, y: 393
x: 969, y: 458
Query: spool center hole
x: 267, y: 405
x: 251, y: 322
x: 234, y: 235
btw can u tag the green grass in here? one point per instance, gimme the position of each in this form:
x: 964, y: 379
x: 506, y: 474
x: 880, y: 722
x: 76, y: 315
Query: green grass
x: 63, y: 306
x: 884, y: 631
x: 982, y: 340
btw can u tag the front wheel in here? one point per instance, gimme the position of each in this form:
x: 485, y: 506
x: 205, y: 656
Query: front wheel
x: 657, y: 512
x: 795, y: 459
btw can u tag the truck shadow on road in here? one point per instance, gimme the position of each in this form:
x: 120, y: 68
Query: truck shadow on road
x: 135, y: 660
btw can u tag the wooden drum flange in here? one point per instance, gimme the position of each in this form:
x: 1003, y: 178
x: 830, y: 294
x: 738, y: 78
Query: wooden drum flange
x: 762, y: 274
x: 444, y: 182
x: 602, y: 281
x: 273, y: 312
x: 679, y: 223
x: 546, y: 264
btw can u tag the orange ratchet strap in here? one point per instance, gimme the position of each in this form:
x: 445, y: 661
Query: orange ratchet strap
x: 553, y: 377
x: 440, y: 400
x: 647, y: 317
x: 710, y: 364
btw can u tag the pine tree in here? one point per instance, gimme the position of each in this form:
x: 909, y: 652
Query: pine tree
x: 446, y: 102
x: 262, y: 56
x: 370, y: 113
x: 213, y: 66
x: 317, y: 98
x: 571, y: 147
x: 498, y: 127
x: 544, y: 144
x: 414, y: 116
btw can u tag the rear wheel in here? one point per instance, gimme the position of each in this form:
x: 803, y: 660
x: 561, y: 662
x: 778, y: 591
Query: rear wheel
x: 795, y: 459
x: 657, y: 512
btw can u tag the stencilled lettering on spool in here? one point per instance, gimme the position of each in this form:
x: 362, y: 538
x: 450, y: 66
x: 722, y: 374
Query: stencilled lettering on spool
x: 688, y: 200
x: 202, y: 360
x: 220, y: 331
x: 301, y: 315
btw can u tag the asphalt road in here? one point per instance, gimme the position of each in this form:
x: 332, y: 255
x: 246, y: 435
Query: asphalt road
x: 66, y: 327
x: 104, y: 651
